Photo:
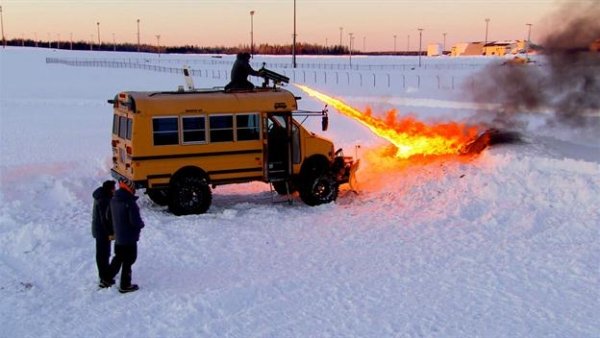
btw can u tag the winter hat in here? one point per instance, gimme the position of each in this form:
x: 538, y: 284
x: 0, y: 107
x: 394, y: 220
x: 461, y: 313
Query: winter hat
x: 108, y: 185
x: 126, y: 184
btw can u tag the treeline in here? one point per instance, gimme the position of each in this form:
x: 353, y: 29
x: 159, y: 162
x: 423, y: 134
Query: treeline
x: 271, y: 49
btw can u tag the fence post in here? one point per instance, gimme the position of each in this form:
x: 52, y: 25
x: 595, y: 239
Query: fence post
x: 361, y: 80
x: 439, y: 81
x: 304, y: 74
x: 325, y: 76
x: 337, y: 78
x: 348, y: 76
x: 374, y: 81
x: 419, y: 81
x: 389, y: 80
x: 315, y: 76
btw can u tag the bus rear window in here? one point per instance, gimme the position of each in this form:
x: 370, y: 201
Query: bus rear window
x: 122, y: 127
x: 115, y: 124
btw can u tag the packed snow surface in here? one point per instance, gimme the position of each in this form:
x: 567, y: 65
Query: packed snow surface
x: 505, y: 244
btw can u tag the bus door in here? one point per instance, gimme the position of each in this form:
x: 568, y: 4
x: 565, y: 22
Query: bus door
x: 279, y: 146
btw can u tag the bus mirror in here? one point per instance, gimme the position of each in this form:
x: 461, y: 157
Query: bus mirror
x: 325, y: 122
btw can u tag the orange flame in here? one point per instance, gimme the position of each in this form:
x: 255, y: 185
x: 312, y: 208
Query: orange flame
x: 410, y: 136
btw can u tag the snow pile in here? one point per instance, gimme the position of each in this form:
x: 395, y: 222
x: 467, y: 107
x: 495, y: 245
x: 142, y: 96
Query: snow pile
x: 504, y: 245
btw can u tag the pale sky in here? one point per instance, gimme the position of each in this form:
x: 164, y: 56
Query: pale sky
x: 227, y: 22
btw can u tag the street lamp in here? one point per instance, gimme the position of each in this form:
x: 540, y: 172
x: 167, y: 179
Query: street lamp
x: 114, y: 43
x: 408, y: 43
x: 98, y: 24
x: 252, y: 34
x: 138, y: 34
x: 420, y: 38
x: 364, y: 44
x: 528, y: 38
x: 71, y: 42
x: 487, y: 22
x: 350, y: 49
x: 158, y: 44
x: 394, y: 44
x: 444, y: 47
x: 2, y: 24
x: 294, y: 39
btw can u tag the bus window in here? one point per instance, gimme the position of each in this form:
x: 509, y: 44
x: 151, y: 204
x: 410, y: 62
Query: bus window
x: 116, y: 124
x: 247, y: 127
x: 221, y: 128
x: 129, y: 127
x: 194, y: 129
x: 165, y: 130
x: 122, y: 127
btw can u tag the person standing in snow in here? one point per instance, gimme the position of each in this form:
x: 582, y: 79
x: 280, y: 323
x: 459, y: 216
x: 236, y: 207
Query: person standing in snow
x: 239, y: 73
x: 127, y: 224
x: 102, y: 231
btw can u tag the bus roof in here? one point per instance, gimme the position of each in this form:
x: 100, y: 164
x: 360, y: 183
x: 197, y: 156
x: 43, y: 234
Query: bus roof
x: 214, y: 101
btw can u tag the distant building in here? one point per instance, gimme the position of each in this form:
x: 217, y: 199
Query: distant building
x: 467, y: 48
x: 501, y: 48
x: 434, y: 49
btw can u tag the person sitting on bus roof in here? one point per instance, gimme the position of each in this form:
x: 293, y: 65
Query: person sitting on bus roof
x: 239, y: 73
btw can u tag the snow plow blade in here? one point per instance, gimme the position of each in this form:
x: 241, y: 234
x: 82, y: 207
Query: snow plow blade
x: 489, y: 138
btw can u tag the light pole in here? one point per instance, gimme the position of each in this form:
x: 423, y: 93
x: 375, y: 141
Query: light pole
x: 350, y: 49
x: 294, y: 39
x: 408, y: 43
x: 71, y: 42
x: 487, y: 22
x: 528, y: 38
x: 114, y: 43
x: 91, y: 41
x: 99, y: 43
x: 444, y: 46
x: 138, y: 34
x: 252, y: 34
x: 49, y: 41
x: 420, y: 38
x: 158, y: 44
x: 36, y: 39
x: 58, y: 41
x: 394, y: 44
x: 341, y: 31
x: 364, y: 44
x: 2, y: 24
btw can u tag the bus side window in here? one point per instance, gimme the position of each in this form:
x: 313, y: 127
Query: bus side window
x: 247, y: 127
x: 221, y: 128
x: 165, y: 131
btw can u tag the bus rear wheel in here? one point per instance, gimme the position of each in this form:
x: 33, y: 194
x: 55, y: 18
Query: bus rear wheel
x: 189, y: 194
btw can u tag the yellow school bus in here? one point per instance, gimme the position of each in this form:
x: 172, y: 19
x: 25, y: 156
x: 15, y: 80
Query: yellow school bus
x: 177, y: 145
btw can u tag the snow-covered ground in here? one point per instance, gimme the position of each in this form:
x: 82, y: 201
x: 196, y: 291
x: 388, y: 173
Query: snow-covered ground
x: 506, y: 244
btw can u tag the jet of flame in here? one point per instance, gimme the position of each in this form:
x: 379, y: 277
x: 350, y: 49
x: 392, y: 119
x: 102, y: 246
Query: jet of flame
x: 410, y: 136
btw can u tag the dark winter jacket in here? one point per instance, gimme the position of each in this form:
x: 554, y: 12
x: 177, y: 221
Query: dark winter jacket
x: 126, y: 218
x: 239, y: 73
x: 101, y: 225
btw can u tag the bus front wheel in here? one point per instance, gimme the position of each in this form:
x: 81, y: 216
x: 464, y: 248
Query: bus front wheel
x: 189, y: 194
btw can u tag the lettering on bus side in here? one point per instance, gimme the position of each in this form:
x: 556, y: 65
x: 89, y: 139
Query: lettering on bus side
x: 280, y: 105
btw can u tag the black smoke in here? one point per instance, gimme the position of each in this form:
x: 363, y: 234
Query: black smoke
x: 563, y: 86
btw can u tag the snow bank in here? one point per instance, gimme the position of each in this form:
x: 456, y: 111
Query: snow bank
x: 503, y: 245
